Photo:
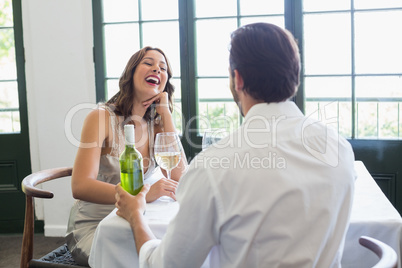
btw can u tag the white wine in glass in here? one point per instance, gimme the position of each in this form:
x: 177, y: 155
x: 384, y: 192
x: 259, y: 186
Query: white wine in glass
x: 167, y: 151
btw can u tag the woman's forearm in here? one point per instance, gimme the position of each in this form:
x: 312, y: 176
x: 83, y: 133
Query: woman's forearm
x: 94, y: 191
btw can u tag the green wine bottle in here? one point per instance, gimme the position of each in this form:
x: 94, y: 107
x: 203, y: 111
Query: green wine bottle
x: 131, y: 164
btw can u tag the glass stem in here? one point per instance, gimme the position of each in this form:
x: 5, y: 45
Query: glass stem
x: 168, y: 174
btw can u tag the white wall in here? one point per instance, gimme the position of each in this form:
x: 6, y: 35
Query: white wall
x: 58, y: 40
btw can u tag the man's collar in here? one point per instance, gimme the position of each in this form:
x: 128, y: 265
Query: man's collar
x: 275, y: 109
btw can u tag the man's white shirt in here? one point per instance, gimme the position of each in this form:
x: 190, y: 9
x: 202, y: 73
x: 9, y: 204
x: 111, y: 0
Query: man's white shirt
x: 277, y: 192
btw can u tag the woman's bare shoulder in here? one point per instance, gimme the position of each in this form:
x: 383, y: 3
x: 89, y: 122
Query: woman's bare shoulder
x: 96, y: 123
x: 98, y: 115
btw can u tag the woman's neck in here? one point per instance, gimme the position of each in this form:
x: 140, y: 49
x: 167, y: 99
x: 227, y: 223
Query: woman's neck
x: 138, y: 112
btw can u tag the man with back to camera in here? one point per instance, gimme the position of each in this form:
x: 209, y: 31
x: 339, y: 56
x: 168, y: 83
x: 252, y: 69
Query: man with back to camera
x: 277, y: 192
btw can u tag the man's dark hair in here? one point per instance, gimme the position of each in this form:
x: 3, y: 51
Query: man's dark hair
x: 267, y: 58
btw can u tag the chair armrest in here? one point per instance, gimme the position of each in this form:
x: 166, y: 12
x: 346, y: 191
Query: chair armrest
x: 31, y: 181
x: 28, y: 185
x: 387, y: 255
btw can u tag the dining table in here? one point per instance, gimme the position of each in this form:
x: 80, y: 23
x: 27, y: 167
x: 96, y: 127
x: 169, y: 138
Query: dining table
x: 372, y: 215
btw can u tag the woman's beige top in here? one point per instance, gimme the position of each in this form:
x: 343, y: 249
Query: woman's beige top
x: 85, y: 216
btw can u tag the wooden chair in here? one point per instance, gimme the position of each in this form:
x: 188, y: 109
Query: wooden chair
x: 59, y: 257
x: 387, y: 255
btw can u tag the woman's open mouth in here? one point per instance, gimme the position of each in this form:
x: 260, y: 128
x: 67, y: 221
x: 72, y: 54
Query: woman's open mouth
x: 153, y: 80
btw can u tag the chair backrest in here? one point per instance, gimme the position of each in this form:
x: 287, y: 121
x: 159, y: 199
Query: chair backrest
x: 29, y: 188
x: 387, y: 255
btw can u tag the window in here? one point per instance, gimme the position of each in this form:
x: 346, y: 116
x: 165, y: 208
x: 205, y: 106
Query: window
x: 353, y: 69
x: 216, y: 108
x: 350, y: 53
x: 9, y: 101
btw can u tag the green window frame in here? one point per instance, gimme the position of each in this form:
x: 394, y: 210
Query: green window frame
x: 12, y: 74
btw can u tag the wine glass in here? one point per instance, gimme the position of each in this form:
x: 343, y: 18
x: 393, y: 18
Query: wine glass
x: 212, y: 135
x: 167, y: 151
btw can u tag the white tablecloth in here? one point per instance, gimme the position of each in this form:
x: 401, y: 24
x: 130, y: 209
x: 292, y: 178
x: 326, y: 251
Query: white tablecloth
x: 372, y: 215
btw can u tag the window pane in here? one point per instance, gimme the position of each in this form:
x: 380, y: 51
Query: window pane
x: 167, y: 39
x: 160, y: 9
x: 123, y: 10
x: 178, y: 117
x: 10, y: 121
x: 328, y: 87
x: 336, y: 114
x: 388, y: 120
x: 7, y: 55
x: 176, y: 82
x: 212, y: 46
x: 9, y: 102
x: 367, y: 118
x: 325, y: 5
x: 121, y: 42
x: 214, y: 89
x: 177, y: 112
x: 112, y: 87
x: 399, y: 121
x: 345, y: 119
x: 9, y: 108
x: 9, y: 95
x: 378, y: 107
x: 218, y: 115
x: 277, y: 20
x: 379, y: 87
x: 215, y: 104
x: 327, y: 43
x: 258, y: 7
x: 361, y: 4
x: 213, y: 8
x: 6, y: 8
x: 329, y: 99
x: 377, y: 42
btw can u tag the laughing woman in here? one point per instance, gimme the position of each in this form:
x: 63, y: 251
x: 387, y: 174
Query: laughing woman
x: 145, y: 100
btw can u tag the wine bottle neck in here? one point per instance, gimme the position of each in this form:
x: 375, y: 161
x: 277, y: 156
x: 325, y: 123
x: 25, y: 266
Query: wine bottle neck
x: 130, y: 145
x: 129, y: 135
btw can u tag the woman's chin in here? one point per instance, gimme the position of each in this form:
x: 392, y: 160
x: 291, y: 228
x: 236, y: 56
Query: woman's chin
x: 148, y: 96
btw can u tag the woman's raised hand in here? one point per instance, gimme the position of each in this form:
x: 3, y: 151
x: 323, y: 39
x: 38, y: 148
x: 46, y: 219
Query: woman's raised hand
x: 162, y: 103
x: 163, y: 187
